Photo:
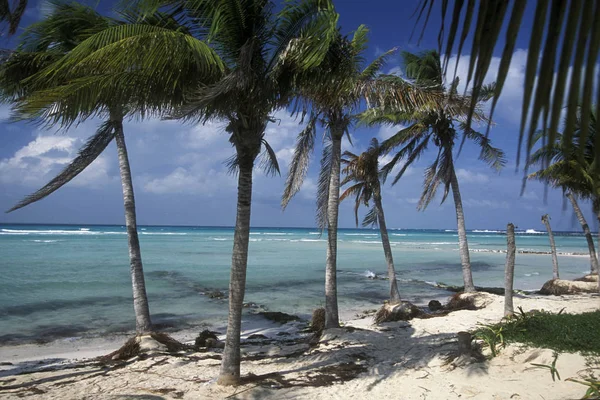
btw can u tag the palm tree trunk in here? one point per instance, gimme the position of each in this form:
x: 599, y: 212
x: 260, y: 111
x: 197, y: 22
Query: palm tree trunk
x: 509, y: 270
x: 546, y: 222
x: 387, y: 251
x: 463, y: 245
x: 331, y: 303
x: 587, y: 232
x: 230, y: 365
x: 140, y: 299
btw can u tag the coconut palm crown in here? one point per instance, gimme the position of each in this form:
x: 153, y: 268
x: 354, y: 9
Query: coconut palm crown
x: 441, y: 127
x: 362, y: 172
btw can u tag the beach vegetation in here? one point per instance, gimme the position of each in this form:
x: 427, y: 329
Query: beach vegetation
x: 560, y: 332
x: 552, y: 367
x: 442, y: 127
x: 362, y: 172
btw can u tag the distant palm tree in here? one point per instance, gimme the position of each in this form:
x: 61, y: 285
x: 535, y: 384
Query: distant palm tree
x: 28, y: 79
x: 363, y: 172
x: 546, y: 221
x: 572, y: 169
x: 441, y: 126
x: 334, y: 95
x: 12, y: 15
x: 573, y: 38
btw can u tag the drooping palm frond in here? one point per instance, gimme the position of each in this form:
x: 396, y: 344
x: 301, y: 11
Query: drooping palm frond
x: 305, y: 143
x: 269, y: 160
x: 12, y: 16
x: 567, y: 30
x: 87, y: 154
x: 323, y: 185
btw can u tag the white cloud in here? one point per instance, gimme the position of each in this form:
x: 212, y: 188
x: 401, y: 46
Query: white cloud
x: 485, y: 203
x: 466, y: 176
x: 41, y: 159
x: 183, y: 180
x: 530, y: 195
x: 412, y: 200
x: 387, y: 131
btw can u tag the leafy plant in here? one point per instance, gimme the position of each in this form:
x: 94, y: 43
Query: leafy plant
x: 593, y: 385
x: 492, y: 336
x: 551, y: 367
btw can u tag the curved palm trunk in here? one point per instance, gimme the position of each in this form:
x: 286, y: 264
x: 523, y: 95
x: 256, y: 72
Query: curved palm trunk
x: 387, y: 250
x: 546, y: 222
x: 463, y: 245
x: 587, y: 232
x: 331, y: 303
x: 230, y: 365
x: 140, y: 299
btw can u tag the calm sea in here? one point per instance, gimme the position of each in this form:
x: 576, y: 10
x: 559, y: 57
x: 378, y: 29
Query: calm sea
x: 62, y: 281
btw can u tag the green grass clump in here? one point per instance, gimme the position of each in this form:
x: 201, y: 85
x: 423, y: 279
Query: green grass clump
x: 559, y: 332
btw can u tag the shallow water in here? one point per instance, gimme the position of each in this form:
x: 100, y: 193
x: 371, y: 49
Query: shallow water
x: 71, y: 281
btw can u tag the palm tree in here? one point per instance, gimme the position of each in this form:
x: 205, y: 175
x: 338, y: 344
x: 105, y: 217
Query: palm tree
x: 440, y: 126
x: 363, y: 172
x: 62, y: 101
x: 574, y: 25
x: 261, y: 54
x: 546, y: 221
x: 572, y: 170
x: 334, y: 96
x: 12, y: 16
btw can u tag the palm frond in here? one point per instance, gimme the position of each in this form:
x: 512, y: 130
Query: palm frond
x: 268, y: 161
x: 305, y: 143
x: 556, y: 27
x: 87, y: 154
x: 371, y: 217
x: 493, y: 156
x: 323, y: 185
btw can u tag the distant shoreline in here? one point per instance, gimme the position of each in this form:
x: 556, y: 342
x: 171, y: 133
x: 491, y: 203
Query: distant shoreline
x: 499, y: 231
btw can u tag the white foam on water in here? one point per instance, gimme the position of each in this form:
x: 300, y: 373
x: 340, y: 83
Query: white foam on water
x: 399, y: 234
x: 533, y: 232
x: 480, y: 231
x: 164, y: 233
x: 45, y: 241
x: 55, y: 232
x: 361, y: 234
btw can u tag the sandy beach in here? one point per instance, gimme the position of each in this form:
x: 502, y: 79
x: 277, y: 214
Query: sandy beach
x: 407, y: 360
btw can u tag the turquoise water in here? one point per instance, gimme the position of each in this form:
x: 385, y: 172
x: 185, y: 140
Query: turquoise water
x: 72, y: 281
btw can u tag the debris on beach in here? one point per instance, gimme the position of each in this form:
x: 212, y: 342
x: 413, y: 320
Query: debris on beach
x: 558, y: 287
x: 403, y: 311
x: 278, y: 317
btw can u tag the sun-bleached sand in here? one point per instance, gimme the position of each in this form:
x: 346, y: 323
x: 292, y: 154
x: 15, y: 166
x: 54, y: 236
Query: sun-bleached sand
x: 400, y: 360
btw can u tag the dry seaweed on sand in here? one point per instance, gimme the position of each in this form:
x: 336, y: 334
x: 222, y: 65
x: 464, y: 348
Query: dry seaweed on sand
x: 132, y: 347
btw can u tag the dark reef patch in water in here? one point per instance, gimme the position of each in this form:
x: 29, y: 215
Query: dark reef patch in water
x: 55, y: 305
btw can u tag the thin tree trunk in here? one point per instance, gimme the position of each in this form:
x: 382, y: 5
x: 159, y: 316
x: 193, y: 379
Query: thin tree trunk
x: 387, y: 251
x: 140, y: 299
x: 546, y: 221
x: 331, y: 303
x: 587, y: 232
x: 509, y: 273
x: 230, y: 364
x: 463, y: 245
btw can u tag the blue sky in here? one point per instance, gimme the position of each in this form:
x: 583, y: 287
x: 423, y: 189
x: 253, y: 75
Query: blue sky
x: 180, y: 176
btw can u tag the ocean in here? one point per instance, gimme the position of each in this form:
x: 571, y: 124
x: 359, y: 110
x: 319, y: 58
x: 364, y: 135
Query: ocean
x: 71, y: 281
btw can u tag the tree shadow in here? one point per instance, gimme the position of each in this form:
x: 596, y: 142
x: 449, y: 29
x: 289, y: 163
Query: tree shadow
x: 345, y: 353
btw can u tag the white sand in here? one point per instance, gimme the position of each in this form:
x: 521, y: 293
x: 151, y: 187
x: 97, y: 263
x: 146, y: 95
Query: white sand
x: 399, y: 361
